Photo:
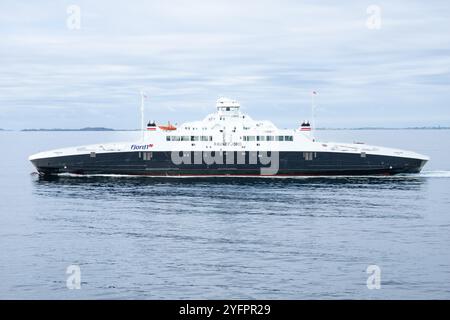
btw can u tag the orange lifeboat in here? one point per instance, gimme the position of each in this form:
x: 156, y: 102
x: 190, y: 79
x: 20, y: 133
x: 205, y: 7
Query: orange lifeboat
x: 169, y: 127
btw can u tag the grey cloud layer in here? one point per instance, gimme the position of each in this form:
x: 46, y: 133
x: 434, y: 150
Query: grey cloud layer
x: 268, y: 54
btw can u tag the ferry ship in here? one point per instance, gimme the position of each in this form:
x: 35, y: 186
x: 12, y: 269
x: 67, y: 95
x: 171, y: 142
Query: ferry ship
x: 228, y: 143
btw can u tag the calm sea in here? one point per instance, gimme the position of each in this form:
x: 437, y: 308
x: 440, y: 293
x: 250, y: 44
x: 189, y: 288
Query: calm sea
x: 225, y: 238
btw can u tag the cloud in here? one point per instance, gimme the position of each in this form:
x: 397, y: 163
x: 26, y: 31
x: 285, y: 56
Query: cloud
x: 267, y: 54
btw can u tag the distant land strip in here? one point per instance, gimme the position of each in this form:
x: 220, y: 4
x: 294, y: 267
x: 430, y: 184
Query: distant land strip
x: 321, y: 128
x: 389, y: 128
x: 82, y: 129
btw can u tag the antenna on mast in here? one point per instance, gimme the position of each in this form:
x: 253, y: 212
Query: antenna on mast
x: 143, y: 97
x: 313, y: 107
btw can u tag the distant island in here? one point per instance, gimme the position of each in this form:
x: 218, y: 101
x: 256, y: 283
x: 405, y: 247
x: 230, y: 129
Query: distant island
x: 387, y: 128
x: 82, y: 129
x: 320, y: 128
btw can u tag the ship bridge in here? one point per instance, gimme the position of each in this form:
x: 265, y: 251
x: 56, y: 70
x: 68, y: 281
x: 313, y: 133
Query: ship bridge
x: 228, y: 117
x: 228, y: 108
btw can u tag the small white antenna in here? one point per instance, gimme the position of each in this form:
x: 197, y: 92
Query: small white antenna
x: 143, y: 97
x: 313, y: 107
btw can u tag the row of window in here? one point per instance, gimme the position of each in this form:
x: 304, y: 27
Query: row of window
x: 189, y: 138
x: 308, y: 156
x: 245, y: 138
x: 268, y: 138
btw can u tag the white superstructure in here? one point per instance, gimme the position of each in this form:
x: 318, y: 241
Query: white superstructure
x: 228, y: 129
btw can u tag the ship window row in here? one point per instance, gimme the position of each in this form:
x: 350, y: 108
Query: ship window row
x: 195, y: 128
x: 268, y: 138
x: 189, y: 138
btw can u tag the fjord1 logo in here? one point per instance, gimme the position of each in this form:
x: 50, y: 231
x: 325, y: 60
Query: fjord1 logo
x: 141, y: 146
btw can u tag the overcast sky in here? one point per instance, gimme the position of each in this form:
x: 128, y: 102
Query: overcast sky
x: 269, y: 55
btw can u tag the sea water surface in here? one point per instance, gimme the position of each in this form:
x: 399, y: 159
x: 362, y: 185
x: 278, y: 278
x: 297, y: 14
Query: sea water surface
x: 225, y: 238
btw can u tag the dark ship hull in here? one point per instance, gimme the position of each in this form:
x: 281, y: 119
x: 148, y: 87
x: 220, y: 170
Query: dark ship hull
x: 288, y: 164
